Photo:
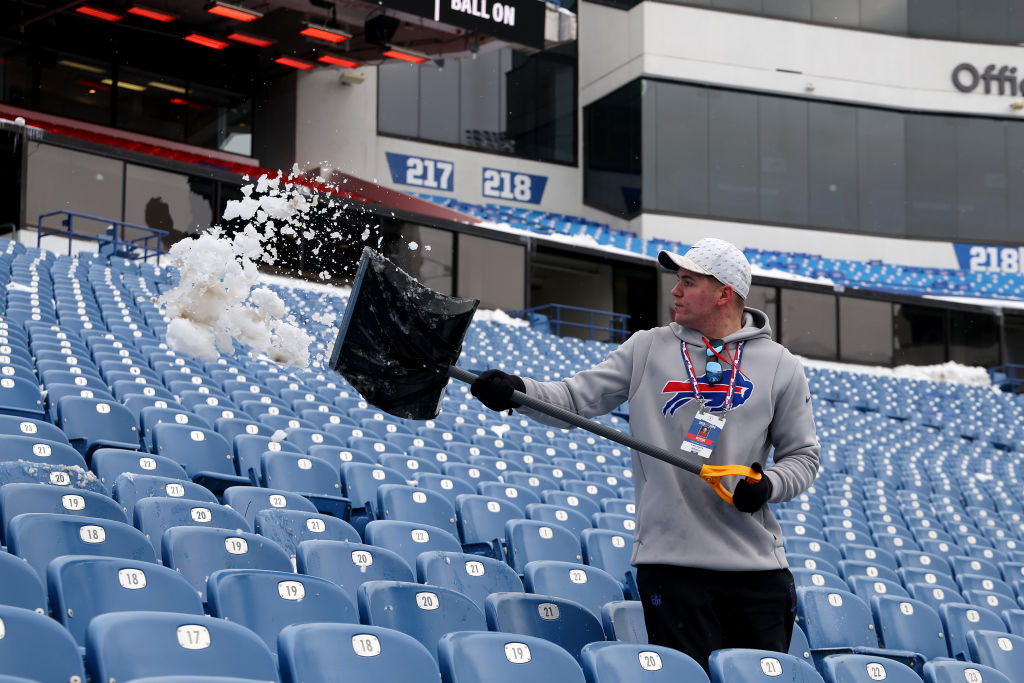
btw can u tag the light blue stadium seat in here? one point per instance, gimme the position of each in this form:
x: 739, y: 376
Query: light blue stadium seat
x: 409, y: 539
x: 110, y: 463
x: 450, y: 487
x: 624, y: 620
x: 36, y: 429
x: 151, y: 416
x: 20, y: 586
x: 933, y: 594
x: 156, y: 514
x: 197, y: 552
x: 31, y: 449
x: 249, y: 500
x: 123, y: 646
x: 39, y: 537
x: 83, y: 586
x: 947, y: 671
x: 561, y: 621
x: 20, y: 397
x: 131, y: 488
x: 230, y: 427
x: 626, y: 662
x: 481, y: 519
x: 266, y: 601
x: 316, y: 653
x: 349, y: 563
x: 474, y: 576
x: 996, y: 602
x: 203, y: 453
x: 411, y: 504
x: 91, y: 423
x: 570, y: 518
x: 529, y: 540
x: 289, y: 528
x: 586, y: 506
x: 817, y: 577
x: 467, y: 656
x: 906, y: 624
x: 17, y: 499
x: 864, y: 669
x: 249, y: 448
x: 589, y: 586
x: 958, y: 618
x: 608, y: 550
x: 865, y: 587
x: 738, y: 665
x: 360, y: 482
x: 37, y: 648
x: 422, y: 611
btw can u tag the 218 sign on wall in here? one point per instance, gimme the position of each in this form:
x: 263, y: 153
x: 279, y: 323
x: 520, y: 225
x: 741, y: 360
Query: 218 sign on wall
x: 509, y: 185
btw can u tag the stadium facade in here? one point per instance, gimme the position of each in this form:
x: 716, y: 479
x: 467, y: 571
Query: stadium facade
x: 866, y: 130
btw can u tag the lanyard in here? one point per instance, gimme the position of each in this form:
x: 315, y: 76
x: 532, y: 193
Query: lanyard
x: 693, y: 375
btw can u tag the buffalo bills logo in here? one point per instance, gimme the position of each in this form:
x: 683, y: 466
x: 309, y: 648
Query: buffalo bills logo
x: 682, y: 393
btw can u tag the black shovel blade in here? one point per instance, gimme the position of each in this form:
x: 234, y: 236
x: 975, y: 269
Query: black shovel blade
x: 398, y: 338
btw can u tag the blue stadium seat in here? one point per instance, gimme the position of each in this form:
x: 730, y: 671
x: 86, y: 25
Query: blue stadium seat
x: 203, y: 453
x: 566, y: 517
x: 474, y: 576
x: 561, y: 621
x: 467, y: 657
x: 610, y: 551
x: 349, y: 564
x: 738, y: 665
x: 864, y: 669
x: 816, y: 577
x: 409, y: 539
x: 906, y: 624
x: 865, y: 587
x: 20, y: 586
x: 37, y: 648
x: 249, y: 448
x: 307, y: 475
x: 959, y: 618
x: 17, y: 499
x: 21, y: 397
x: 947, y: 671
x: 360, y: 482
x: 36, y: 429
x: 34, y: 449
x: 624, y: 620
x: 450, y: 487
x: 110, y: 463
x: 131, y: 488
x: 266, y: 601
x: 196, y: 552
x: 482, y: 518
x: 589, y: 586
x: 90, y: 423
x: 39, y: 537
x: 316, y: 653
x: 289, y: 528
x: 627, y: 662
x: 422, y: 611
x: 407, y: 464
x: 58, y: 475
x: 249, y: 500
x: 411, y: 504
x: 586, y: 506
x: 155, y: 515
x: 82, y: 586
x: 122, y: 646
x: 529, y: 540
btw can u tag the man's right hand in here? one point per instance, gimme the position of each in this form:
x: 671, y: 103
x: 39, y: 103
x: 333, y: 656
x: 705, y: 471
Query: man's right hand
x: 494, y: 389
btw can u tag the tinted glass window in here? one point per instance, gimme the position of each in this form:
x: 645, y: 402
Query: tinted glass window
x: 973, y: 339
x: 612, y: 151
x: 809, y: 323
x: 865, y: 331
x: 919, y: 334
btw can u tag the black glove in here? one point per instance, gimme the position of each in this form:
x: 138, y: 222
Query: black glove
x: 750, y: 497
x: 494, y: 389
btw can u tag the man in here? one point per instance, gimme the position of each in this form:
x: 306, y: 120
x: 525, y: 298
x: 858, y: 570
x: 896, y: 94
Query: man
x: 711, y: 575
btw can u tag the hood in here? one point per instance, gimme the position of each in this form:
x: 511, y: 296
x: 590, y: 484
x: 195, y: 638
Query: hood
x: 755, y: 326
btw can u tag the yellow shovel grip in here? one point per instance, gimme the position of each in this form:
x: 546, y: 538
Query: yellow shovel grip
x: 713, y: 474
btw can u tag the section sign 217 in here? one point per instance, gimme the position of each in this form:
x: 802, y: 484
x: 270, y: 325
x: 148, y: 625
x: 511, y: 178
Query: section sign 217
x: 430, y: 174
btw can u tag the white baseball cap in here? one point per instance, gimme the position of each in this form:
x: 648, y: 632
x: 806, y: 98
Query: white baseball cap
x: 717, y: 258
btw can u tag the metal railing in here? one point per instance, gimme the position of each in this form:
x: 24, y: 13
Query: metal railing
x: 1008, y: 377
x: 615, y: 329
x: 113, y: 241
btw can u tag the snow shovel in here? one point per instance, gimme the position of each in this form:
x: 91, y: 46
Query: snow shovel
x: 398, y: 344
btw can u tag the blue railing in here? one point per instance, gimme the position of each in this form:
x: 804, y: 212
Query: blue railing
x: 1008, y: 377
x: 113, y: 242
x: 553, y: 315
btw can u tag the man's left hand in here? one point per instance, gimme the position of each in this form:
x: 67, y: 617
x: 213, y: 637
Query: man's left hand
x: 750, y: 497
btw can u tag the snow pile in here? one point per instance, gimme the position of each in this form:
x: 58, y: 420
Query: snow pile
x: 945, y: 372
x: 499, y: 316
x: 218, y: 300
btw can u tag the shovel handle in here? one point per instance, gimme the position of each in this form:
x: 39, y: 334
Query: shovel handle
x: 710, y: 473
x: 681, y: 459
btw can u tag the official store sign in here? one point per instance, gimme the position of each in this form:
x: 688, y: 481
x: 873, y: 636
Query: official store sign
x: 514, y: 21
x: 989, y: 79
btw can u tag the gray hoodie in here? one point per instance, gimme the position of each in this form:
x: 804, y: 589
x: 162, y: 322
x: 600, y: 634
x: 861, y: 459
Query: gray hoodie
x: 680, y: 519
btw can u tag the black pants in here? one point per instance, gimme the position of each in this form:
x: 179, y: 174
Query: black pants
x: 698, y: 611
